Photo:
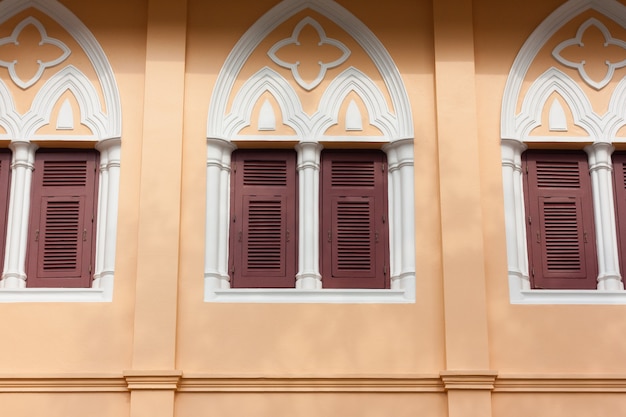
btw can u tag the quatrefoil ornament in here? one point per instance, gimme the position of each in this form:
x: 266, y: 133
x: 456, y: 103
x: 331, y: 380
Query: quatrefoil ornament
x: 577, y: 42
x: 13, y: 40
x: 295, y: 40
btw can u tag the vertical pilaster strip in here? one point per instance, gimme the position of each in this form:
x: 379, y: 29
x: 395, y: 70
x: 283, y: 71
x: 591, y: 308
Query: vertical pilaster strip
x: 154, y: 343
x: 217, y: 216
x: 22, y: 166
x: 601, y: 171
x: 463, y: 254
x: 308, y: 276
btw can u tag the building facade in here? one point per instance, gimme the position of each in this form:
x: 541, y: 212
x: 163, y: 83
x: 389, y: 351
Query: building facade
x: 312, y: 207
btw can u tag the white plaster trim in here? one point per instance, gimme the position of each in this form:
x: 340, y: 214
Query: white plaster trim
x: 610, y: 8
x: 267, y: 118
x: 72, y: 79
x: 294, y: 40
x: 9, y: 118
x: 554, y: 80
x: 567, y: 297
x: 89, y: 44
x: 54, y: 295
x: 354, y: 121
x: 557, y: 120
x: 216, y: 126
x: 353, y: 80
x: 65, y: 120
x: 580, y: 66
x: 43, y: 65
x: 326, y: 296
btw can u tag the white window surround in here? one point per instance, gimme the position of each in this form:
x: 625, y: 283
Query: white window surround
x: 225, y: 123
x: 309, y: 281
x: 104, y: 122
x: 516, y: 131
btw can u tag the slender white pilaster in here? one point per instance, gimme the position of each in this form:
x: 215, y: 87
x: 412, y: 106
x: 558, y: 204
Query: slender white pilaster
x: 22, y: 166
x: 514, y: 216
x: 108, y: 199
x: 217, y: 215
x: 308, y: 276
x: 401, y: 215
x: 601, y: 170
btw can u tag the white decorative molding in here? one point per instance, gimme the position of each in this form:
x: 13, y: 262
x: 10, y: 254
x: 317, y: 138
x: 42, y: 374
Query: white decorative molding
x: 267, y: 118
x: 353, y: 80
x: 580, y: 66
x: 295, y: 40
x: 65, y: 119
x: 88, y: 43
x: 43, y: 65
x: 557, y: 120
x: 217, y: 126
x: 612, y: 9
x: 354, y: 121
x: 72, y: 79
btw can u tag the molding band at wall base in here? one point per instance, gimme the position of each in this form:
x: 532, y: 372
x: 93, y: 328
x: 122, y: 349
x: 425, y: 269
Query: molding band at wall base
x: 407, y: 384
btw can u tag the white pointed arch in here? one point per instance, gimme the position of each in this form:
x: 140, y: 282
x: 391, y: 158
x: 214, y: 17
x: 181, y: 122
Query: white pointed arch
x: 353, y: 80
x: 91, y: 47
x: 69, y: 78
x: 555, y: 81
x: 216, y: 127
x: 561, y: 16
x: 9, y: 119
x: 265, y: 80
x: 616, y: 115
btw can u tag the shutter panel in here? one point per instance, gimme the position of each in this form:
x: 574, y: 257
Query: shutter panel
x: 5, y: 170
x: 354, y: 230
x: 561, y: 235
x: 62, y: 219
x: 619, y: 182
x: 263, y: 226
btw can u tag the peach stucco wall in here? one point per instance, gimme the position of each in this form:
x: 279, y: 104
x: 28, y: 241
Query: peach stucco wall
x: 158, y: 349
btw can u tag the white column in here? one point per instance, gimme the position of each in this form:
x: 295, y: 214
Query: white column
x: 514, y: 216
x: 106, y: 218
x: 401, y: 215
x: 308, y: 276
x: 217, y: 216
x: 22, y: 166
x: 601, y: 170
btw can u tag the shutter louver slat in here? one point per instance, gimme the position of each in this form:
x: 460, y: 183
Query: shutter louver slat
x: 619, y: 181
x: 561, y: 242
x: 61, y: 235
x: 354, y: 240
x: 263, y: 198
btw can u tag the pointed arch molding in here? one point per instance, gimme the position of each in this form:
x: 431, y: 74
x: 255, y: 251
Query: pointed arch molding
x: 219, y: 121
x: 104, y: 121
x: 510, y: 126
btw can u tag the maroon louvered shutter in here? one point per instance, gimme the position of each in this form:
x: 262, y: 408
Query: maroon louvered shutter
x: 61, y: 229
x: 619, y: 182
x: 561, y: 236
x: 354, y: 231
x: 263, y: 225
x: 5, y: 169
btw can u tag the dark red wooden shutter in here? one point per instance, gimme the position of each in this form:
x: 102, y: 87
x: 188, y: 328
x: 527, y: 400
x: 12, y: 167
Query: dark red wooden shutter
x: 62, y: 219
x: 619, y: 182
x: 263, y: 225
x: 5, y: 169
x: 354, y: 229
x: 561, y: 236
